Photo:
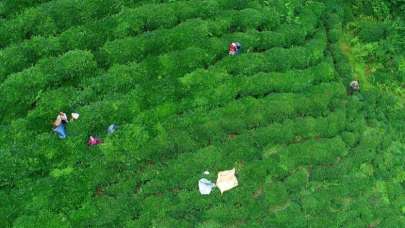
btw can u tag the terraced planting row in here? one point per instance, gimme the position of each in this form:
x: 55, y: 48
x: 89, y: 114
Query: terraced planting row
x: 171, y: 66
x: 129, y: 21
x: 306, y: 154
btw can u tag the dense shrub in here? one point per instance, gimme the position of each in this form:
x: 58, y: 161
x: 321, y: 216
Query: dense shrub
x: 128, y: 49
x: 305, y: 153
x: 92, y: 35
x: 9, y: 8
x: 21, y: 94
x: 53, y: 17
x: 370, y: 32
x: 290, y: 81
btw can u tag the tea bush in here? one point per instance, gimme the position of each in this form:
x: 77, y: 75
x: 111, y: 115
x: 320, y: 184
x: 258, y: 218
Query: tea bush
x: 306, y: 152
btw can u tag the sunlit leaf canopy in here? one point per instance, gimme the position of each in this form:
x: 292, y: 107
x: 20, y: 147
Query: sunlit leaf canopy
x: 307, y: 152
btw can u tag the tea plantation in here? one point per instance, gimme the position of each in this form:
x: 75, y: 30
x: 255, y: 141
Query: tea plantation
x: 307, y: 152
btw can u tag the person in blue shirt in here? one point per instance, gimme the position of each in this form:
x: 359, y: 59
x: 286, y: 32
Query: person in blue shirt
x: 60, y: 125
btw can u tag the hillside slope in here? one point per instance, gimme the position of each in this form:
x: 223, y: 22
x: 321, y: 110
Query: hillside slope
x: 306, y: 152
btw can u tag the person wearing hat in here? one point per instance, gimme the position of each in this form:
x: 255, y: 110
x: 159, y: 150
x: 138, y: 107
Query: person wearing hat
x: 59, y: 125
x: 354, y: 86
x: 232, y: 49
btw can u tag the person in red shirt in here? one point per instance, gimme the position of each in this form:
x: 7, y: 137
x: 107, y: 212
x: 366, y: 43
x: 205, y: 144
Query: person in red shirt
x: 94, y: 141
x: 233, y: 49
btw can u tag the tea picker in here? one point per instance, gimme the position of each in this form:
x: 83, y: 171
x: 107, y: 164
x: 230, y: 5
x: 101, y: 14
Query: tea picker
x: 234, y: 48
x: 94, y: 141
x: 59, y: 125
x: 111, y: 129
x: 354, y: 86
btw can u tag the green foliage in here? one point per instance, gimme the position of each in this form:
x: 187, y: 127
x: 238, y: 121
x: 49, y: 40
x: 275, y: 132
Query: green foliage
x: 45, y: 219
x: 276, y: 194
x: 22, y: 94
x: 9, y: 8
x: 306, y: 153
x: 53, y: 17
x: 370, y: 32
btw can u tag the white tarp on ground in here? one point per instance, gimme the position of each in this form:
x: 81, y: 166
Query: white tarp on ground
x: 227, y: 180
x: 205, y: 186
